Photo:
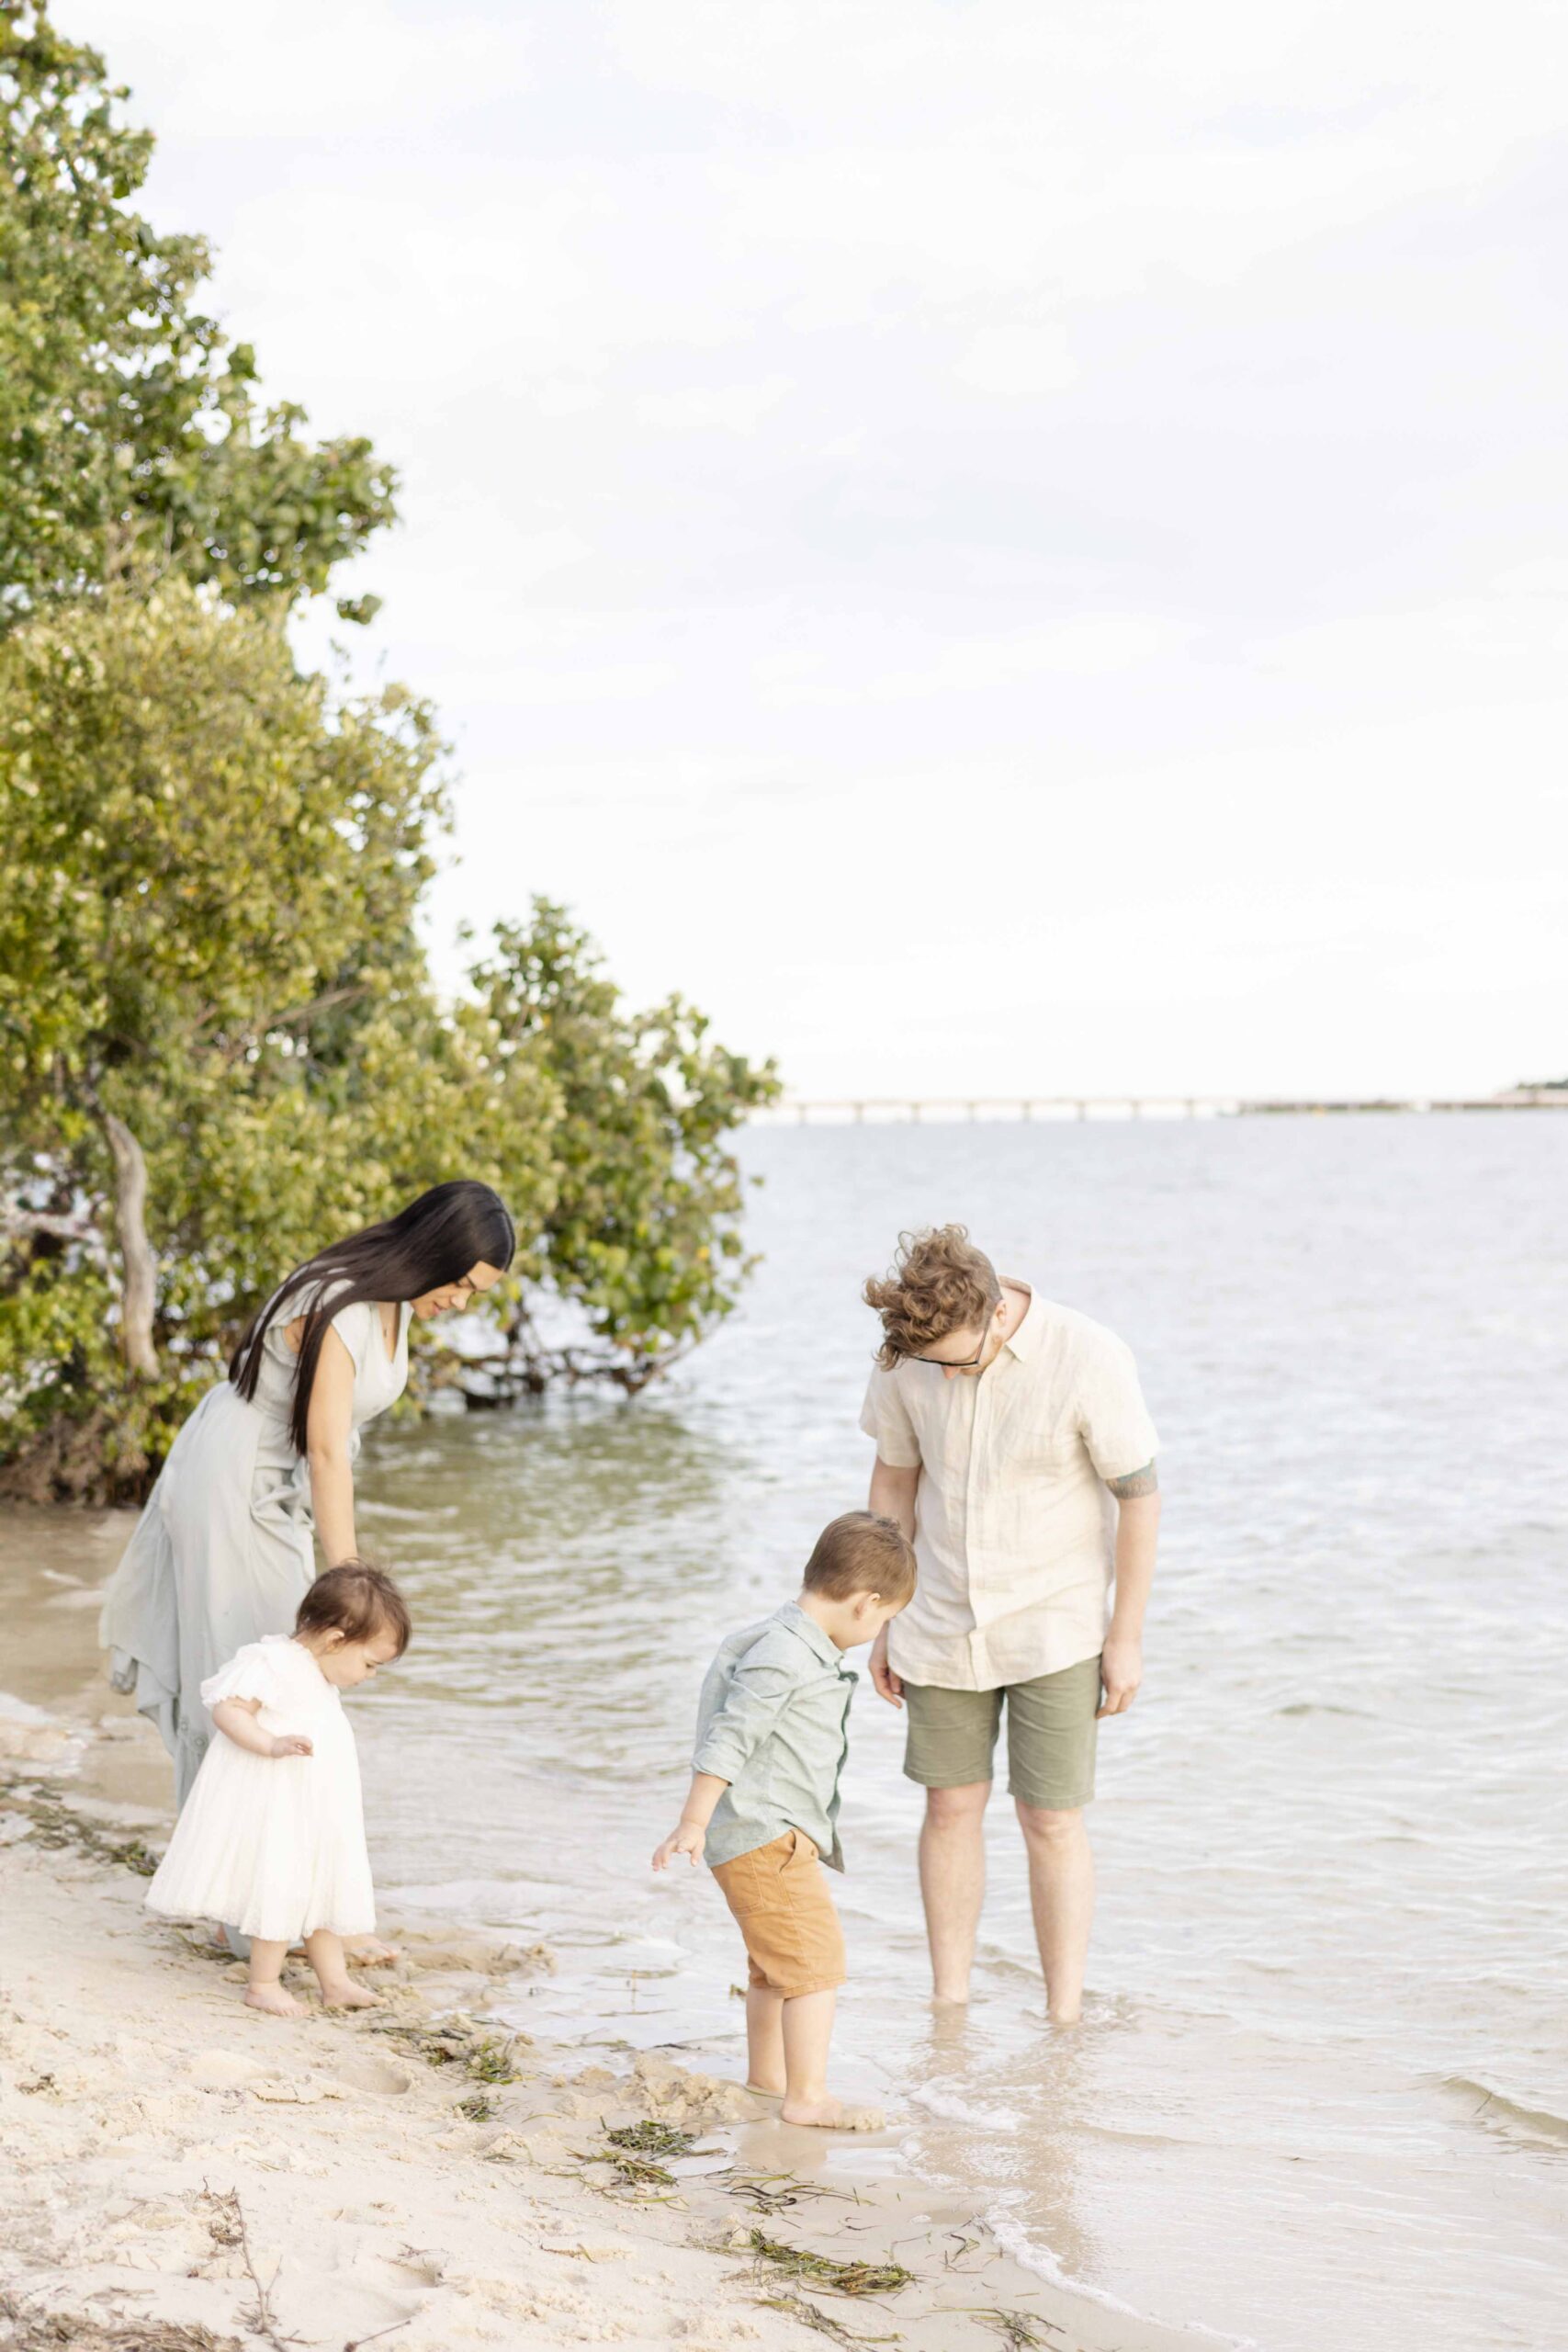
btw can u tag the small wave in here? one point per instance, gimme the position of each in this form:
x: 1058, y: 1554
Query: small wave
x: 1494, y: 2106
x: 941, y: 2099
x: 1015, y: 2242
x: 22, y: 1711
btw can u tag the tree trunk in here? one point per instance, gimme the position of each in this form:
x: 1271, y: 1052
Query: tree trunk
x: 140, y: 1266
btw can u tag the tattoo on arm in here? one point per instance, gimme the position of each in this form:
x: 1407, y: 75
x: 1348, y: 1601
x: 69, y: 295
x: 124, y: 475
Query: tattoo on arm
x: 1137, y: 1482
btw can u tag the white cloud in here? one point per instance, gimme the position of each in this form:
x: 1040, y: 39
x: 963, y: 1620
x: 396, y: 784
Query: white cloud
x: 1019, y: 359
x: 1089, y: 478
x: 724, y: 408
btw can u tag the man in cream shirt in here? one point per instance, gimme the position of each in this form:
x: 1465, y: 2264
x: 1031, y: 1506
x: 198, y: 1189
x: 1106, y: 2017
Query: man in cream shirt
x: 1013, y: 1445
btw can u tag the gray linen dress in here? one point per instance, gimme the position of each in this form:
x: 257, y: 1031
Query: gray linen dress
x: 224, y: 1549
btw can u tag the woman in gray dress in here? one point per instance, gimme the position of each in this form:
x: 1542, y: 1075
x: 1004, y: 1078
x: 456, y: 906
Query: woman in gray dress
x: 223, y: 1552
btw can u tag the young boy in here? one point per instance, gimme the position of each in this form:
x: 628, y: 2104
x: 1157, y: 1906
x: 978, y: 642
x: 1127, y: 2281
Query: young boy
x: 772, y: 1738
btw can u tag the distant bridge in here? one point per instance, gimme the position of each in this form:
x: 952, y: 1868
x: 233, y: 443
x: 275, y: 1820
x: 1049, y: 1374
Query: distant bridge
x: 872, y: 1110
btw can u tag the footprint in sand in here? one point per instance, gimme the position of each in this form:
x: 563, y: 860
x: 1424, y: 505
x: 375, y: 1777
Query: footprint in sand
x: 370, y: 2074
x: 224, y: 2070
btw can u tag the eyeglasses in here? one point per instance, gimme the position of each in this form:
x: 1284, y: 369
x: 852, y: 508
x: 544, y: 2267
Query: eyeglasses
x: 938, y: 1364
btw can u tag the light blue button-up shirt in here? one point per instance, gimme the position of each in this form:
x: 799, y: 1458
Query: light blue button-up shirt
x: 773, y: 1721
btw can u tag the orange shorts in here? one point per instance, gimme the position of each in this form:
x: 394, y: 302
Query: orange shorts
x: 794, y: 1941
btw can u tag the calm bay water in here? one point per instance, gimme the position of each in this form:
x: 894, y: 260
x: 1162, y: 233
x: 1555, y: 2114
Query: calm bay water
x: 1322, y: 2096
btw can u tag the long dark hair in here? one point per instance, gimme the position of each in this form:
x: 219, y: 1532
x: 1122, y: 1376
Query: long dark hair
x: 436, y: 1240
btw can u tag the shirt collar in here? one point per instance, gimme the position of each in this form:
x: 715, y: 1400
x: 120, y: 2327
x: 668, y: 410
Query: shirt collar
x: 1026, y: 1338
x: 794, y: 1619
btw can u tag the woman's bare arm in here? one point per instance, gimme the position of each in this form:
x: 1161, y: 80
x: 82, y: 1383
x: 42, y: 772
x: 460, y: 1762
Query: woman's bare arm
x: 329, y: 1428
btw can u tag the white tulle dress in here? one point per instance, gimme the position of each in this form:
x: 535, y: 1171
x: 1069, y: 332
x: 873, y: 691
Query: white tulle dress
x: 273, y: 1845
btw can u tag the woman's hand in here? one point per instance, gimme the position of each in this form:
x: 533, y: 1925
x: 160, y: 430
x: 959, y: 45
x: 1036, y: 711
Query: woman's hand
x: 289, y: 1743
x: 687, y: 1838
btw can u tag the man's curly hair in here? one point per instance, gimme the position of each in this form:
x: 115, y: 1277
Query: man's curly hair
x: 940, y: 1283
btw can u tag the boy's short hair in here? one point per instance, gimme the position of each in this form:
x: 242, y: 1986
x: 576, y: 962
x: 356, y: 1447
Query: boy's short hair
x: 862, y: 1552
x: 940, y: 1283
x: 358, y: 1600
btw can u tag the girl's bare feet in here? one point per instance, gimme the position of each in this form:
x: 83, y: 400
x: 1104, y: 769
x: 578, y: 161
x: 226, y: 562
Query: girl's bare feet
x: 349, y: 1995
x: 273, y: 2001
x: 831, y: 2115
x: 369, y: 1952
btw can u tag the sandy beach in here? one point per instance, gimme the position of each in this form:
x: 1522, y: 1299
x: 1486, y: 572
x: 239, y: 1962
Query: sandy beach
x: 188, y: 2175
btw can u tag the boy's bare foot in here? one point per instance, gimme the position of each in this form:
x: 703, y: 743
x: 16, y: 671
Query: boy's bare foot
x: 831, y: 2115
x: 764, y: 2090
x: 273, y: 2001
x: 349, y: 1995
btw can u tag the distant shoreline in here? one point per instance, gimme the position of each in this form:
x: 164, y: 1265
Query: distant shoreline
x: 1045, y: 1109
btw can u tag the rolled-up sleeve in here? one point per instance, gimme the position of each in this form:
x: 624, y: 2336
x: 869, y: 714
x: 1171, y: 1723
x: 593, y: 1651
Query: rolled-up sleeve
x: 752, y: 1704
x: 1113, y: 1417
x: 885, y: 1417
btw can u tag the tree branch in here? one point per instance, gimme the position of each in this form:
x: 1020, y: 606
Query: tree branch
x: 293, y: 1019
x: 21, y: 1225
x: 140, y: 1293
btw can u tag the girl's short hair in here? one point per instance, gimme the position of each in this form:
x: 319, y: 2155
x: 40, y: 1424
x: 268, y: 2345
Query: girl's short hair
x: 358, y: 1600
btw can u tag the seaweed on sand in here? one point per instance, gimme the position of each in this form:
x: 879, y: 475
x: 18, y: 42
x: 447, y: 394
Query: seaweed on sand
x: 762, y: 2192
x: 459, y: 2040
x: 491, y: 2061
x: 826, y: 2272
x: 29, y: 2330
x: 1019, y: 2331
x: 59, y: 1825
x: 634, y: 2149
x: 636, y: 2172
x: 812, y: 2315
x: 655, y: 2140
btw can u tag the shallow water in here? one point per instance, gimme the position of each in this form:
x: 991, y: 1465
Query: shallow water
x: 1322, y: 2097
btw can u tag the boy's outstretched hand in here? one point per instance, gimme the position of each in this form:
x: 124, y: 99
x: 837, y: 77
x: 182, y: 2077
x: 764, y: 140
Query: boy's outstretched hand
x: 688, y: 1838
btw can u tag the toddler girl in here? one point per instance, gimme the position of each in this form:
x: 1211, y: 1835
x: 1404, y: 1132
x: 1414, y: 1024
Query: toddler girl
x: 272, y: 1836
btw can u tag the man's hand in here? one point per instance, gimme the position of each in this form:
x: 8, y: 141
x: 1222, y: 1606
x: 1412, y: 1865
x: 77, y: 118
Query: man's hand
x: 1120, y: 1671
x: 886, y: 1684
x: 687, y: 1838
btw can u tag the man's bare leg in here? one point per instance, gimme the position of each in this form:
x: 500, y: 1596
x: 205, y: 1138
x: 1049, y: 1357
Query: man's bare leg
x: 1061, y: 1894
x: 952, y: 1882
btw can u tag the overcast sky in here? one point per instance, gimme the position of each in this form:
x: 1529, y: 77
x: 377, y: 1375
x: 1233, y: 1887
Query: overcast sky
x: 997, y: 545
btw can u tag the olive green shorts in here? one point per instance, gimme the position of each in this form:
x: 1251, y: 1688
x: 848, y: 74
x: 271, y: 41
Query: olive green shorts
x: 1050, y: 1736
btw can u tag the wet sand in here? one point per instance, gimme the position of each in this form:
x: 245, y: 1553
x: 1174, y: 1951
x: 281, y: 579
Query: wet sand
x: 173, y: 2149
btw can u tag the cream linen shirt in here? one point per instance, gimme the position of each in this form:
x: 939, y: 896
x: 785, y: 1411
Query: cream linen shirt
x: 1013, y: 1526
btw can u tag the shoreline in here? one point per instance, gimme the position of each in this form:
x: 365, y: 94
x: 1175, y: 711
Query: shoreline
x: 140, y: 2097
